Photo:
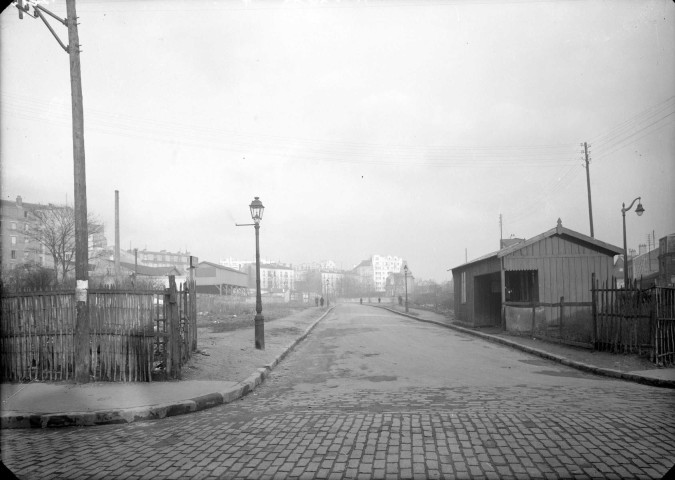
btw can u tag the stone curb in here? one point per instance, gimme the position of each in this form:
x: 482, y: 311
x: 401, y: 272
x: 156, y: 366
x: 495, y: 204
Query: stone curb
x: 608, y: 372
x: 10, y: 420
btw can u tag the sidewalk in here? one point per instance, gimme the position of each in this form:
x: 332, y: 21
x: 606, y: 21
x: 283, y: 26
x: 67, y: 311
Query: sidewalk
x: 226, y: 367
x: 626, y: 367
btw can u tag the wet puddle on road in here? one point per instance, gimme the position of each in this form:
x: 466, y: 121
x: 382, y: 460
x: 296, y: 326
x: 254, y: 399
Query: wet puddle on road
x: 380, y: 378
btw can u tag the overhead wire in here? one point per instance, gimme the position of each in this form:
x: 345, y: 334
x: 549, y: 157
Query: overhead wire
x: 326, y: 150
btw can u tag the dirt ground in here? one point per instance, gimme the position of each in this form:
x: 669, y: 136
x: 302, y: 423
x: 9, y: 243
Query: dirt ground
x: 232, y: 356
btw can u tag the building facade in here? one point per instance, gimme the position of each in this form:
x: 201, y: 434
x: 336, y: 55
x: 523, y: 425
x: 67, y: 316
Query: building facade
x: 16, y: 247
x: 382, y: 267
x: 666, y: 259
x: 162, y: 258
x: 273, y: 277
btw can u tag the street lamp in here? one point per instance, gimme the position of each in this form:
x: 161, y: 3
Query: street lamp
x: 639, y: 210
x: 405, y: 274
x: 257, y: 209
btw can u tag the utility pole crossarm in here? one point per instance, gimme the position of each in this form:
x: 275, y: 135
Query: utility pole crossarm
x: 37, y: 13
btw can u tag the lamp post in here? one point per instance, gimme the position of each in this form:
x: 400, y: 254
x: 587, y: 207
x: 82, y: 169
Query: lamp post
x: 405, y: 275
x: 639, y: 210
x: 257, y: 209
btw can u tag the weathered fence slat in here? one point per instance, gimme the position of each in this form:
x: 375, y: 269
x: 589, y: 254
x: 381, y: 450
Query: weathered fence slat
x: 633, y: 321
x: 127, y: 334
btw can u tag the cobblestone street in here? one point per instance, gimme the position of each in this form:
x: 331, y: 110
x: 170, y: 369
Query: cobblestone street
x: 370, y: 394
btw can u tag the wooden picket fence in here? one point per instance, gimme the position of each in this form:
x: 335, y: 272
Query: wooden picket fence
x: 633, y: 320
x: 37, y: 336
x: 664, y: 326
x: 134, y: 334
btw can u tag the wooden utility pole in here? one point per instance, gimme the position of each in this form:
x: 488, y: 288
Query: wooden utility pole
x: 501, y: 232
x: 588, y: 185
x: 82, y: 353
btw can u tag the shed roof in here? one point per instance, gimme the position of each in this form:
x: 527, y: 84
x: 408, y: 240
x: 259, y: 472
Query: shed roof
x: 221, y: 267
x: 151, y: 271
x: 559, y: 230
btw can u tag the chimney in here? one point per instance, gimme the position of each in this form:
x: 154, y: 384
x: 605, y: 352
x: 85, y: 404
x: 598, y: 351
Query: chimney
x: 642, y: 248
x: 19, y: 201
x: 117, y: 233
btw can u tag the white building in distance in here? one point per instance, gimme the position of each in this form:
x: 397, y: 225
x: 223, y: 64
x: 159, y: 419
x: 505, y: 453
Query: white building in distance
x: 382, y: 267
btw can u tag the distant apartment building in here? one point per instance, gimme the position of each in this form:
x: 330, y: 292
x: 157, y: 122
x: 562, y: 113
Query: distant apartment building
x: 234, y: 264
x: 243, y: 265
x: 16, y: 218
x: 382, y: 267
x: 373, y: 272
x: 364, y: 275
x: 667, y: 260
x: 273, y: 276
x: 325, y: 265
x: 332, y: 282
x: 162, y: 258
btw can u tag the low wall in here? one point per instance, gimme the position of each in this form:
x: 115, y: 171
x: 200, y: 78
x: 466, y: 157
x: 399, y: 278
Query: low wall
x: 575, y: 327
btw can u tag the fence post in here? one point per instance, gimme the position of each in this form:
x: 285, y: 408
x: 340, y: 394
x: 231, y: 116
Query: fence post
x: 652, y: 331
x: 193, y: 313
x: 562, y: 311
x: 534, y: 313
x: 594, y: 310
x: 173, y: 326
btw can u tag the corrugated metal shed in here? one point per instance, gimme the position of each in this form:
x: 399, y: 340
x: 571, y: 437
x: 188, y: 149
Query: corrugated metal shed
x: 557, y: 263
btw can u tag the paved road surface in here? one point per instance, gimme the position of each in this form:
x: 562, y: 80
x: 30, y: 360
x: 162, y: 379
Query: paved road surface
x: 371, y: 394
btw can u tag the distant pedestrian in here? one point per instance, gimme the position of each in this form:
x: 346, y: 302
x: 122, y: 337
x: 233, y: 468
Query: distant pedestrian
x: 400, y: 300
x: 316, y: 300
x: 361, y: 300
x: 321, y: 301
x: 378, y: 300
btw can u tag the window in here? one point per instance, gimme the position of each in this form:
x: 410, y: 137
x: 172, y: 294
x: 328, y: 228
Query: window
x: 463, y: 293
x: 13, y: 254
x: 13, y: 240
x: 12, y: 225
x: 522, y: 286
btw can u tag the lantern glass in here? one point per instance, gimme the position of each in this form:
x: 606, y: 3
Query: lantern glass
x: 257, y: 209
x: 639, y: 210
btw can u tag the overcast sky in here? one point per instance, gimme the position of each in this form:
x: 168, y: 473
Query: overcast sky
x: 395, y: 128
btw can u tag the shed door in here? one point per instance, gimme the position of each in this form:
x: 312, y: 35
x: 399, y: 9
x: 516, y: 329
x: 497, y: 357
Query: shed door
x: 487, y: 299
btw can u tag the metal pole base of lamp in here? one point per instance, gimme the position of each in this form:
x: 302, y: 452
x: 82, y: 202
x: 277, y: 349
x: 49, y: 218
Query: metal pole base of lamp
x: 259, y: 332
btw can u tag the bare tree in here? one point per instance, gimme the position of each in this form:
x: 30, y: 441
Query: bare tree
x: 54, y: 228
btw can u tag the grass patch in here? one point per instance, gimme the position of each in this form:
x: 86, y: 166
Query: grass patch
x: 228, y: 317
